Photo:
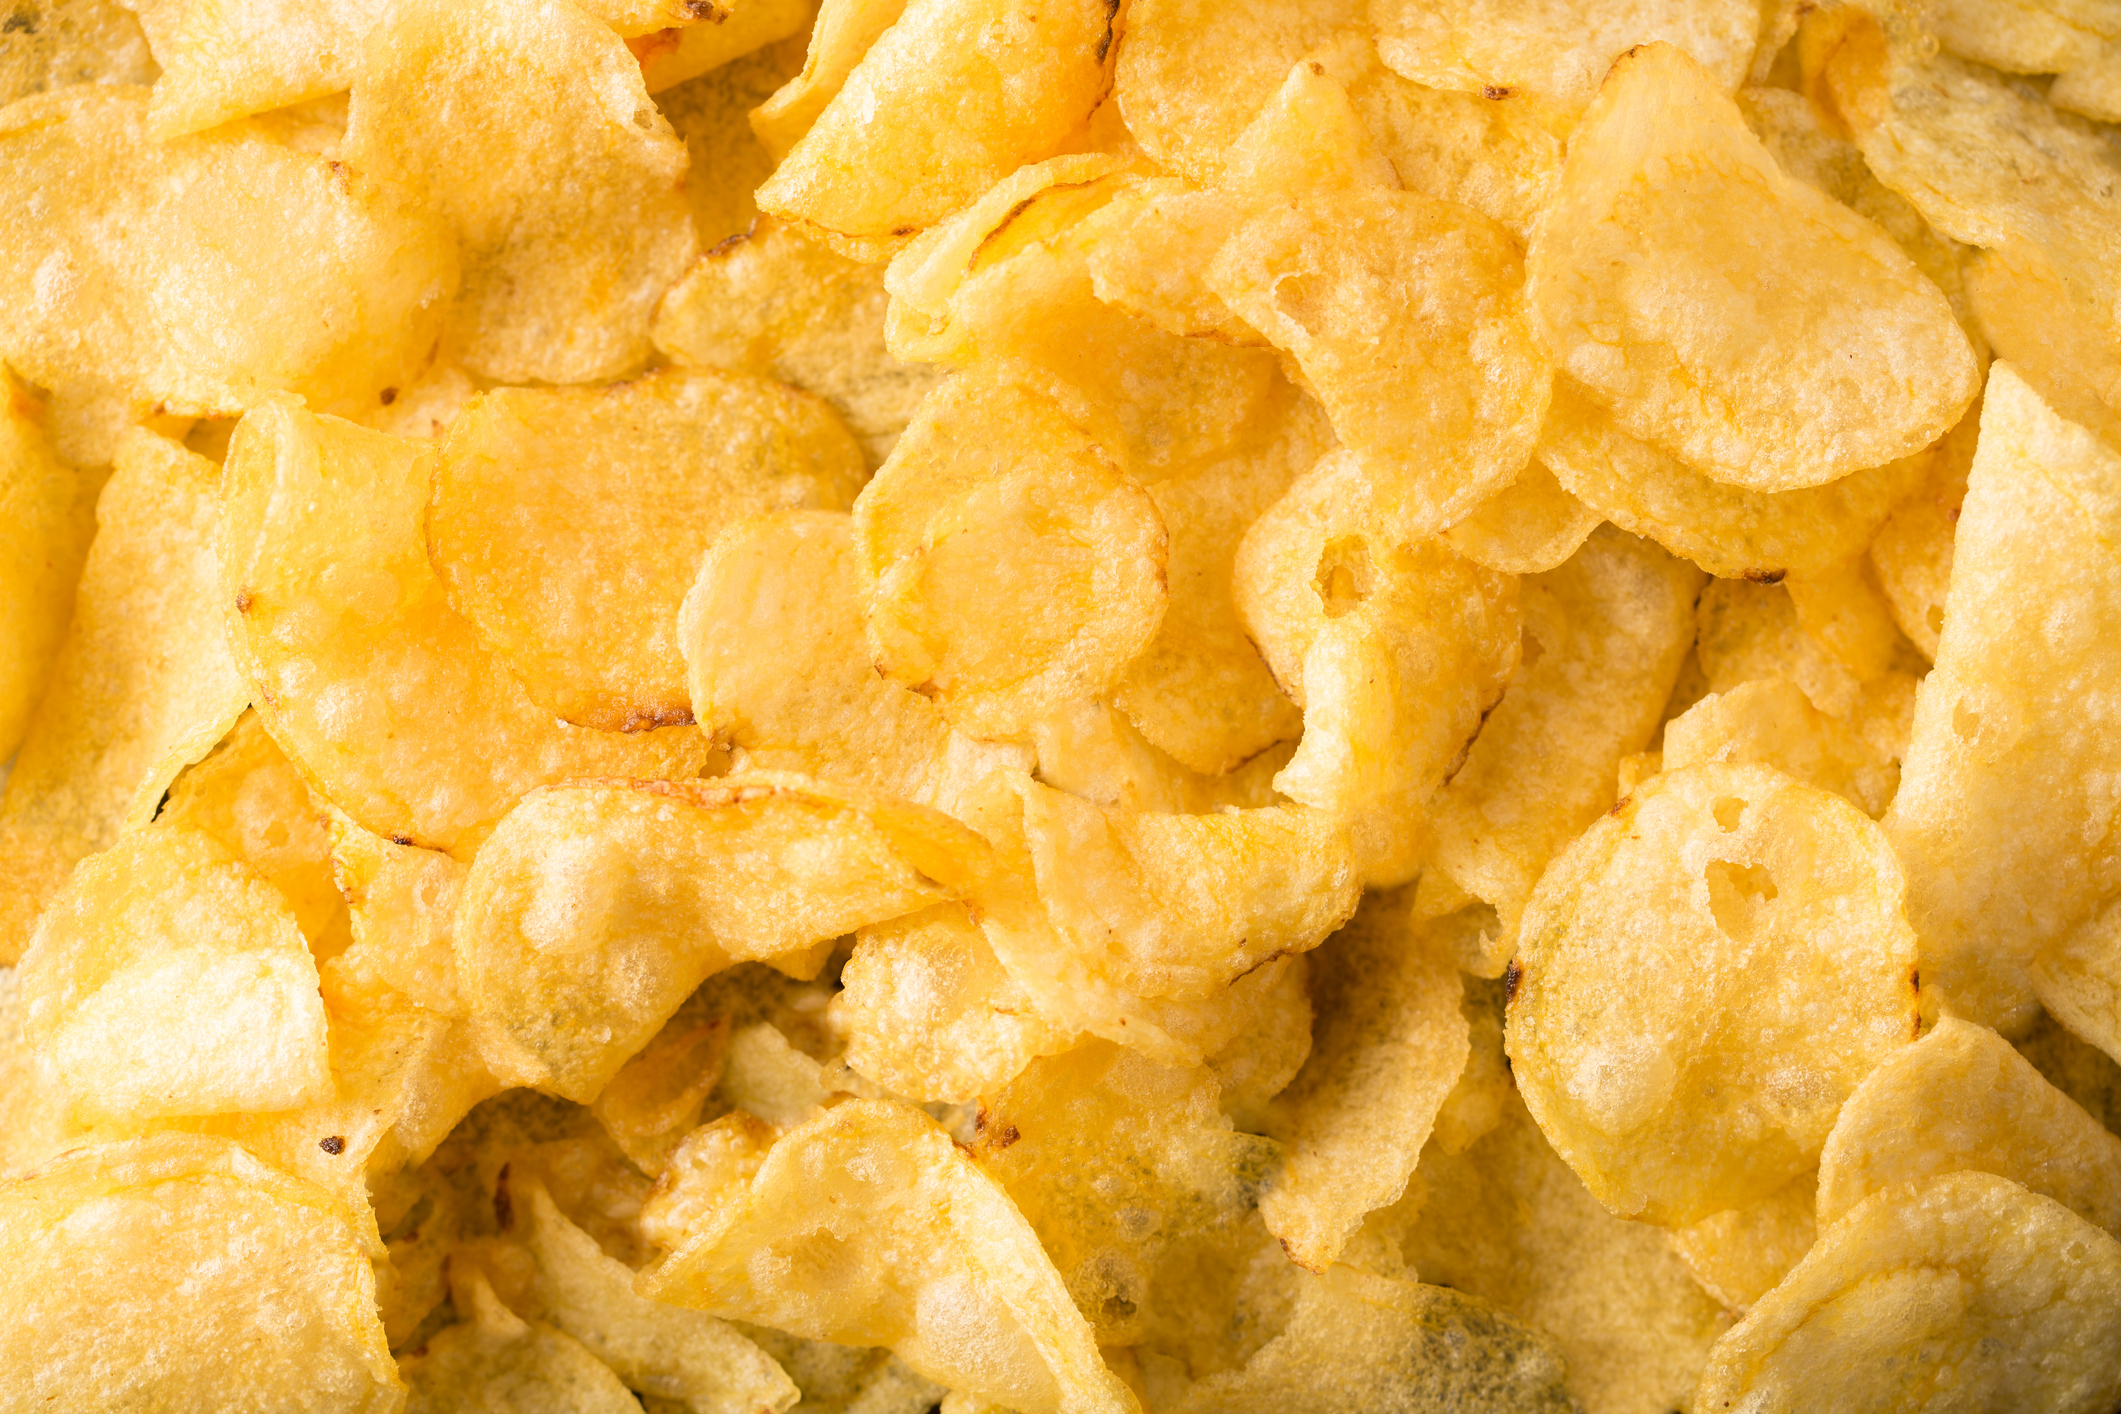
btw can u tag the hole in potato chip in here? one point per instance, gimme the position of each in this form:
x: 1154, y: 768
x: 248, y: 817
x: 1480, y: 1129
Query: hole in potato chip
x: 1729, y: 811
x: 1344, y: 575
x: 1737, y: 895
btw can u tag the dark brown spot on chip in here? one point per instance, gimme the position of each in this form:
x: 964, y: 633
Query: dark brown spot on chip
x: 1318, y: 68
x: 243, y: 601
x: 504, y: 1207
x: 1494, y: 90
x: 389, y: 396
x: 1766, y: 576
x: 332, y: 1144
x: 1512, y: 975
x: 401, y: 839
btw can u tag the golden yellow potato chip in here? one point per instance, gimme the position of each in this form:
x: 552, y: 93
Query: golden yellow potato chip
x: 2075, y: 976
x: 2093, y: 88
x: 839, y: 37
x: 1088, y: 749
x: 1741, y: 1254
x: 56, y: 43
x: 1673, y: 230
x: 1528, y: 527
x: 47, y: 518
x: 1962, y: 1099
x: 1965, y: 1291
x: 553, y: 292
x: 118, y: 325
x: 1007, y: 563
x: 725, y: 162
x: 688, y: 49
x: 1724, y: 529
x: 953, y: 96
x: 291, y: 1303
x: 1604, y: 637
x: 1748, y: 631
x: 595, y: 909
x: 2067, y: 357
x: 2000, y: 820
x: 226, y: 59
x: 970, y: 1300
x: 656, y: 1097
x: 1703, y: 977
x: 345, y: 635
x: 36, y: 1114
x: 493, y: 1354
x: 1769, y: 721
x: 1155, y: 240
x: 932, y: 1015
x: 567, y: 523
x: 401, y: 902
x: 2023, y: 38
x: 777, y: 303
x: 1388, y: 1045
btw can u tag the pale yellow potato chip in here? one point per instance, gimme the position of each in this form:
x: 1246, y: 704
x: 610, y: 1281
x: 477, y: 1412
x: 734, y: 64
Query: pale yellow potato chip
x: 2078, y: 978
x: 2000, y: 821
x: 1530, y: 526
x: 725, y: 163
x: 777, y: 303
x: 56, y: 43
x: 839, y: 37
x: 971, y: 1300
x: 1847, y: 613
x: 344, y: 633
x: 1155, y: 241
x: 1604, y: 638
x: 2023, y: 36
x: 120, y: 325
x: 932, y: 1015
x: 142, y: 686
x: 2093, y: 88
x: 1741, y: 1254
x: 594, y: 910
x: 291, y: 1304
x: 1507, y: 1222
x: 2075, y: 1066
x: 226, y: 59
x: 1724, y: 529
x: 1673, y: 229
x: 47, y: 518
x: 671, y: 56
x: 567, y: 523
x: 1703, y: 977
x: 656, y: 1098
x: 1769, y: 721
x: 1007, y: 564
x: 1088, y: 749
x: 1387, y: 1046
x: 1406, y: 316
x: 1309, y: 134
x: 492, y: 1354
x: 1965, y: 1291
x: 953, y: 96
x: 36, y: 1115
x: 1962, y: 1099
x: 553, y: 292
x: 2067, y: 357
x: 401, y: 902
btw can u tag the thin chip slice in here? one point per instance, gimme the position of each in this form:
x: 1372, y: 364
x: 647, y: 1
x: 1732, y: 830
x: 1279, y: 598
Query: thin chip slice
x: 1741, y: 1254
x: 2003, y: 832
x: 1096, y: 752
x: 842, y: 33
x: 1703, y: 978
x: 226, y: 59
x: 1748, y: 632
x: 2067, y: 357
x: 971, y: 1300
x: 292, y: 1302
x: 47, y: 519
x: 1964, y: 1290
x: 656, y: 1098
x: 567, y: 523
x: 2078, y: 977
x: 725, y: 160
x: 1769, y: 721
x: 556, y: 292
x: 686, y: 49
x: 345, y: 635
x: 493, y: 1355
x: 1530, y: 526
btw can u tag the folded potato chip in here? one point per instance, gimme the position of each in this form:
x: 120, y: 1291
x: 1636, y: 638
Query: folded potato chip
x: 344, y: 633
x: 840, y: 35
x: 1703, y: 977
x: 47, y: 518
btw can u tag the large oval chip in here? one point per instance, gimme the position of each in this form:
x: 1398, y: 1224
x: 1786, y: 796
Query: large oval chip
x: 1703, y: 977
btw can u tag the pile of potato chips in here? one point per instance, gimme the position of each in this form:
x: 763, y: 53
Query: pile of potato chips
x: 1060, y: 706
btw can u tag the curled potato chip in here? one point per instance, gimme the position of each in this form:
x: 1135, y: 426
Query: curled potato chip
x: 1605, y: 635
x: 1673, y: 228
x: 567, y: 523
x: 954, y: 95
x: 294, y: 1299
x: 971, y: 1299
x: 2008, y: 727
x: 839, y: 37
x: 685, y: 49
x: 1530, y: 526
x: 1388, y: 1045
x: 1962, y: 1099
x: 47, y: 518
x: 344, y: 634
x: 1768, y: 720
x: 594, y: 910
x: 556, y: 293
x: 167, y: 978
x: 1763, y: 917
x: 1964, y: 1287
x: 778, y: 303
x: 1724, y: 529
x: 72, y: 41
x: 1094, y: 751
x: 1741, y: 1254
x: 1008, y: 565
x: 115, y: 326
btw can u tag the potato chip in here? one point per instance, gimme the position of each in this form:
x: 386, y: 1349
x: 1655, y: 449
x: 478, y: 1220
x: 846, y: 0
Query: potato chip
x: 725, y: 162
x: 2066, y: 356
x: 842, y: 33
x: 55, y: 43
x: 1604, y: 637
x: 1768, y: 914
x: 781, y: 305
x: 2010, y: 726
x: 1912, y: 555
x: 1088, y: 749
x: 1748, y: 631
x: 344, y: 633
x: 2078, y: 1068
x: 1155, y: 240
x: 1741, y: 1254
x: 1008, y: 565
x: 36, y: 1115
x: 401, y: 902
x: 292, y: 1301
x: 1724, y: 529
x: 2092, y: 88
x: 882, y: 160
x: 656, y: 1097
x: 552, y: 293
x: 1663, y: 147
x: 1964, y: 1289
x: 1769, y: 721
x: 595, y: 909
x: 115, y: 325
x: 227, y: 59
x: 567, y: 523
x: 47, y: 518
x: 2019, y: 38
x: 494, y: 1354
x: 686, y: 50
x: 930, y: 1014
x: 2075, y: 974
x: 1530, y: 526
x: 1388, y: 1046
x: 970, y: 1299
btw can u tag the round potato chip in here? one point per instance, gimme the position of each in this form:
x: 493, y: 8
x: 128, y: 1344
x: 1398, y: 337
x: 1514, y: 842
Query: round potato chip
x: 1703, y: 977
